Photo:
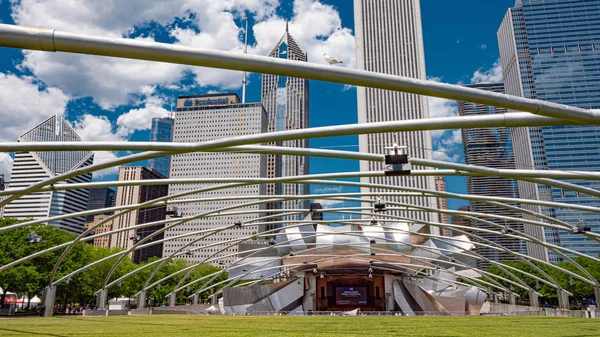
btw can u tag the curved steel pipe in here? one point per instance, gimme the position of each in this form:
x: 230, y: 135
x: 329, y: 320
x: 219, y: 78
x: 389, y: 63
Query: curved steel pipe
x: 53, y: 40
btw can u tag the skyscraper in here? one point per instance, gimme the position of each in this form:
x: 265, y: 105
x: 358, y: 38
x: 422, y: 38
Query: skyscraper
x: 162, y: 131
x: 550, y: 50
x: 442, y: 203
x: 100, y: 198
x: 389, y: 40
x: 32, y: 167
x: 2, y: 187
x: 131, y: 195
x: 493, y: 147
x: 204, y: 118
x: 459, y: 220
x: 103, y: 241
x: 286, y: 101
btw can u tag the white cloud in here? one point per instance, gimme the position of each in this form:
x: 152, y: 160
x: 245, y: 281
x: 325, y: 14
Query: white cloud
x: 101, y: 157
x: 25, y: 103
x: 483, y: 46
x: 6, y: 163
x: 99, y: 128
x: 141, y: 119
x: 96, y: 129
x: 447, y: 145
x: 444, y: 154
x: 436, y: 134
x: 441, y: 107
x: 112, y: 81
x: 326, y: 203
x: 455, y: 138
x: 494, y: 74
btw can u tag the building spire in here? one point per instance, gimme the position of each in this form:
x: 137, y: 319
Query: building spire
x: 287, y: 26
x: 244, y: 80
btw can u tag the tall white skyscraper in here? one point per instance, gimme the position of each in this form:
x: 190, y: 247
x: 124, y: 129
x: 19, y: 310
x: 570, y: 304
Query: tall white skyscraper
x: 389, y: 40
x: 286, y: 101
x: 33, y: 167
x: 203, y: 118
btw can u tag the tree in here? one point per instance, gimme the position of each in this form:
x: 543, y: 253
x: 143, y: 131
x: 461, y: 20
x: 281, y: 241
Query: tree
x: 32, y: 276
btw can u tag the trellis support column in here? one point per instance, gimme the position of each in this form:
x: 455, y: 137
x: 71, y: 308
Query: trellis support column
x: 101, y: 299
x: 172, y: 299
x: 196, y: 299
x: 48, y: 300
x: 310, y: 294
x: 563, y: 299
x: 512, y: 299
x: 533, y: 299
x: 389, y: 296
x: 597, y: 295
x: 141, y: 300
x: 213, y: 299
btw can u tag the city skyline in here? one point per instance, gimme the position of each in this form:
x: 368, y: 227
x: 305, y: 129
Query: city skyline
x: 531, y: 173
x: 95, y: 117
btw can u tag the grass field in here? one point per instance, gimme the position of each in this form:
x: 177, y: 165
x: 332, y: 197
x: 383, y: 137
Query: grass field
x: 214, y: 326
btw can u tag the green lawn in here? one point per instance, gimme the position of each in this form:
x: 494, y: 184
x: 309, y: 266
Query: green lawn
x: 213, y: 326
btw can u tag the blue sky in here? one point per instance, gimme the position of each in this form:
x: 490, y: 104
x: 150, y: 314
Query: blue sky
x: 114, y: 100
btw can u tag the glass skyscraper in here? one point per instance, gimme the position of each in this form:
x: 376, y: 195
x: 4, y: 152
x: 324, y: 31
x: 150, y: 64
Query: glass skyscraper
x: 162, y: 131
x: 550, y: 50
x: 493, y: 147
x: 102, y: 197
x: 286, y: 101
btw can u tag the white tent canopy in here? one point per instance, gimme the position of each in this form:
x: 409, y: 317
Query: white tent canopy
x: 35, y: 300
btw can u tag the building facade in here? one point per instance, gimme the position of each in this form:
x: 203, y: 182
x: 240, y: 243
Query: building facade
x: 461, y: 221
x: 161, y: 131
x: 131, y: 195
x: 389, y: 40
x: 550, y: 50
x: 493, y: 147
x: 3, y: 186
x: 442, y: 203
x: 286, y: 101
x: 32, y: 167
x: 204, y: 118
x: 103, y: 241
x: 100, y: 198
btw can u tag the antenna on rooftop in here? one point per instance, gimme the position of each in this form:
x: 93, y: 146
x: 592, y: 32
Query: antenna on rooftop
x: 245, y: 52
x: 172, y: 100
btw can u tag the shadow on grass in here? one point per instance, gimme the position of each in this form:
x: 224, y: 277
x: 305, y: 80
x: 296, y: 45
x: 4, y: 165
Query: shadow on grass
x: 31, y: 333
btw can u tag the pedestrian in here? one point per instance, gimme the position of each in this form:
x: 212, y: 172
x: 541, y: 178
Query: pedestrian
x: 11, y: 309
